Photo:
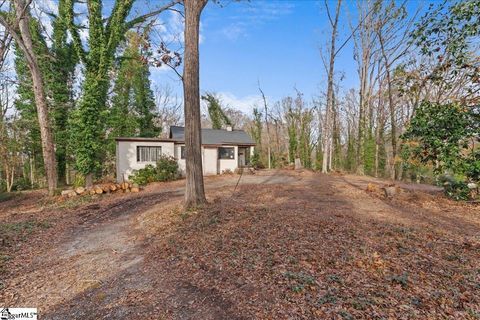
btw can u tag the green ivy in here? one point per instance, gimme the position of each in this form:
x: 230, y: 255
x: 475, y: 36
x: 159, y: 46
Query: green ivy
x: 217, y: 116
x: 440, y: 133
x: 441, y: 136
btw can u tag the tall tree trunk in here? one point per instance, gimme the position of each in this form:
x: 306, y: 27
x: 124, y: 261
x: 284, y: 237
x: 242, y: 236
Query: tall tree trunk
x: 32, y: 171
x: 328, y: 126
x: 393, y: 125
x: 362, y: 116
x: 24, y: 42
x: 194, y: 192
x: 268, y: 128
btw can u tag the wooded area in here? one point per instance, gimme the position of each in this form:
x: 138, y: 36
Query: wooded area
x: 66, y: 94
x: 360, y: 201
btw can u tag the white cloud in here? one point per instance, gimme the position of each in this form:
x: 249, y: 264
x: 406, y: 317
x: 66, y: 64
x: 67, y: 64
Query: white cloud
x: 234, y: 31
x: 171, y: 30
x: 244, y: 104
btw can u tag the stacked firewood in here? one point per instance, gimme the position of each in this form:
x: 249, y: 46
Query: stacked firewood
x: 124, y: 187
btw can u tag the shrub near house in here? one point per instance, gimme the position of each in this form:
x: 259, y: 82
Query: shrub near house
x: 166, y: 169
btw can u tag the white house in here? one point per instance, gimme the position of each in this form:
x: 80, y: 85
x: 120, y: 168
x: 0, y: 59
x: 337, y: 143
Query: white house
x: 222, y: 150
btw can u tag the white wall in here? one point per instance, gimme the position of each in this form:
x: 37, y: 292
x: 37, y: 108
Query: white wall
x: 229, y: 164
x: 181, y: 162
x: 209, y: 160
x: 127, y: 156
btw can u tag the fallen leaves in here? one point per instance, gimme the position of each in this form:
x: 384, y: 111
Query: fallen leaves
x: 317, y: 247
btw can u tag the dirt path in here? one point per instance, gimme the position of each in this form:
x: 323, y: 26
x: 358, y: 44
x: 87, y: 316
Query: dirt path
x: 139, y: 256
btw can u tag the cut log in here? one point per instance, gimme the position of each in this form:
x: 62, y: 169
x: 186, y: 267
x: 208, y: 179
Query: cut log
x: 68, y: 193
x: 98, y: 190
x: 113, y: 187
x: 390, y: 192
x: 135, y: 189
x: 80, y: 190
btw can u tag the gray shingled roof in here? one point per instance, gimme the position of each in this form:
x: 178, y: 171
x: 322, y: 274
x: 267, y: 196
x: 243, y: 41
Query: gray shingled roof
x: 215, y: 136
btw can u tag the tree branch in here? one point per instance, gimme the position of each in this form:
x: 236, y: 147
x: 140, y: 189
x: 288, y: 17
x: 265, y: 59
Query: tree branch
x: 16, y: 36
x: 353, y: 32
x: 130, y: 24
x: 328, y: 13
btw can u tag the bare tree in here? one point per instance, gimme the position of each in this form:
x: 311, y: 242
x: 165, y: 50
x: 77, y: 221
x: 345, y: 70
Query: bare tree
x: 265, y: 105
x: 169, y: 108
x: 392, y: 37
x: 328, y: 125
x: 19, y: 28
x: 364, y: 53
x: 194, y: 192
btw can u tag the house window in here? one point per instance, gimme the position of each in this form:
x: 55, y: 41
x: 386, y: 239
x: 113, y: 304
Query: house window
x: 226, y: 153
x: 182, y: 152
x: 148, y: 154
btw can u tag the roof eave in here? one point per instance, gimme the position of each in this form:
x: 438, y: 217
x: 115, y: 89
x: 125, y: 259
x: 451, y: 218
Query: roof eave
x: 145, y: 139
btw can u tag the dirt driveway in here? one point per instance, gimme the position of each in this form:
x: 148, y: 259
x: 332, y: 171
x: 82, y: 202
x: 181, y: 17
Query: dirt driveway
x: 283, y: 245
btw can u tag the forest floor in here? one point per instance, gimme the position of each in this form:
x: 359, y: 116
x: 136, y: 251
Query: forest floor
x: 284, y: 245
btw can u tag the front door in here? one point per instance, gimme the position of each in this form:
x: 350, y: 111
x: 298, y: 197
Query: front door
x: 241, y: 157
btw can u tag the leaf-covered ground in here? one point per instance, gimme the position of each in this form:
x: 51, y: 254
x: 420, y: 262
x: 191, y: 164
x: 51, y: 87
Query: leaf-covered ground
x: 285, y: 245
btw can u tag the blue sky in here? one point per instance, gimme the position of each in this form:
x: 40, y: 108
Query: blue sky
x: 275, y: 42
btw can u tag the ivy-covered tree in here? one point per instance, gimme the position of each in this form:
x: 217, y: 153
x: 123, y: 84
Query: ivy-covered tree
x: 292, y: 123
x: 217, y: 116
x: 132, y: 111
x: 145, y: 104
x: 304, y: 139
x: 105, y: 34
x: 61, y: 66
x: 256, y: 133
x: 122, y: 121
